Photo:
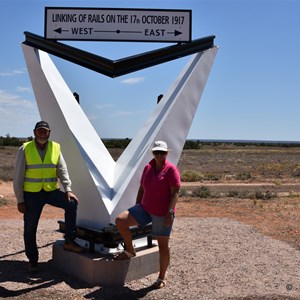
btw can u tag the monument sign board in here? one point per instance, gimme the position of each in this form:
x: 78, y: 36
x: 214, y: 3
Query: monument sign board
x: 110, y: 24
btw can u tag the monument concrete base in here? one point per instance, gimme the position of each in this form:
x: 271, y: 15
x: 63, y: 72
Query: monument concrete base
x: 100, y: 269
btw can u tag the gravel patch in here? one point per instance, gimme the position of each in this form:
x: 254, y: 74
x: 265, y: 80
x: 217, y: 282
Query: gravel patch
x: 212, y: 258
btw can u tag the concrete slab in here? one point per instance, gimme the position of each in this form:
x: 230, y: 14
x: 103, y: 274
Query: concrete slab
x: 100, y: 269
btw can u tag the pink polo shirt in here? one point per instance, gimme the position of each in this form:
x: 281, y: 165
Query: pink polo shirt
x: 157, y: 187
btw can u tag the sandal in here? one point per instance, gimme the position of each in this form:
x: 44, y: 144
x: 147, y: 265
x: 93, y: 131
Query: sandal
x: 159, y: 283
x: 124, y: 255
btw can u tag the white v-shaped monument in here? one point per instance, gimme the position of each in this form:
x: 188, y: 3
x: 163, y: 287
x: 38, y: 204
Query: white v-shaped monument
x: 105, y: 187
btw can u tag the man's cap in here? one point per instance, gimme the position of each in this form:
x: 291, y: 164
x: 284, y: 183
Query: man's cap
x: 160, y: 146
x: 41, y: 124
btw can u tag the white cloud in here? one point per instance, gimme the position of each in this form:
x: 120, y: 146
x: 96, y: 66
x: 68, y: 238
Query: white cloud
x: 103, y: 106
x: 92, y: 117
x: 24, y: 89
x: 17, y: 115
x: 133, y: 80
x: 13, y: 73
x: 9, y: 102
x: 6, y: 98
x: 122, y: 113
x: 21, y: 71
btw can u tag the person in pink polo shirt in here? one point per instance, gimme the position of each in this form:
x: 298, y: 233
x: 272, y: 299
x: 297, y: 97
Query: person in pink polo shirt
x: 155, y: 202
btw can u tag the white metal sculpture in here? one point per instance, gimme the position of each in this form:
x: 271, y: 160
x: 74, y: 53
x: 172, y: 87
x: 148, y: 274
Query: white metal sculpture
x: 105, y: 187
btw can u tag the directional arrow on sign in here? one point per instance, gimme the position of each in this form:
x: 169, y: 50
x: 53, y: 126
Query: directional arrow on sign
x: 118, y: 31
x: 59, y: 30
x: 176, y: 32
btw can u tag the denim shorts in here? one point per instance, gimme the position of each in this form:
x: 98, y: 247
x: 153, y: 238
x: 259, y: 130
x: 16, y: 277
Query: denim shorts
x: 143, y: 218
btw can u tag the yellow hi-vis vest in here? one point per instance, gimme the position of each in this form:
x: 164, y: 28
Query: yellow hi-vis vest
x: 41, y: 174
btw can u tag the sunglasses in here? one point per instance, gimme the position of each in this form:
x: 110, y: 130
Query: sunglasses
x: 159, y: 152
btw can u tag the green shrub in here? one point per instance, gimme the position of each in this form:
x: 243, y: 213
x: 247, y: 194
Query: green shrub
x: 264, y: 195
x: 116, y: 143
x: 233, y: 194
x: 3, y: 202
x: 245, y: 194
x: 296, y: 172
x: 190, y: 144
x: 191, y: 176
x: 183, y: 192
x: 201, y: 192
x: 259, y: 195
x: 212, y: 177
x: 243, y: 176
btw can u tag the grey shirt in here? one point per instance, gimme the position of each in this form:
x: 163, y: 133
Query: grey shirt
x: 20, y: 168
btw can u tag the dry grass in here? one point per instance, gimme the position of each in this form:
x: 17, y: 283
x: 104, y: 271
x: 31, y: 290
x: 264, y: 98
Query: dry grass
x: 7, y: 160
x: 255, y: 185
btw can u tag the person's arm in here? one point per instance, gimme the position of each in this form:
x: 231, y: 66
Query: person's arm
x: 174, y: 197
x: 63, y: 175
x: 174, y: 181
x: 140, y: 192
x: 18, y: 179
x: 173, y: 200
x: 139, y: 195
x: 19, y: 174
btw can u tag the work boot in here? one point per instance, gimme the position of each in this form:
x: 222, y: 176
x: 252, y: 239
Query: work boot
x: 33, y: 268
x: 72, y: 246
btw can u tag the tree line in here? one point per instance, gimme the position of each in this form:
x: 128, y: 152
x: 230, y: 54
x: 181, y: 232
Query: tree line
x: 189, y: 144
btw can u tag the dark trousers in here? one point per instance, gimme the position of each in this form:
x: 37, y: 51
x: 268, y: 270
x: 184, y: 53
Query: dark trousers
x: 34, y: 203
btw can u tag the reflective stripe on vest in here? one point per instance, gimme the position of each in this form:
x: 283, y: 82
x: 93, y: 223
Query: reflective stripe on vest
x: 41, y: 174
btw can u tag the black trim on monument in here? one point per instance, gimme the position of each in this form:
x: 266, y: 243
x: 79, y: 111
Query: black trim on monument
x: 115, y: 68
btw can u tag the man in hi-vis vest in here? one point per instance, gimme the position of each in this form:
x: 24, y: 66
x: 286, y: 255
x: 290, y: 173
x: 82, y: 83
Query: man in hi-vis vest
x: 39, y: 165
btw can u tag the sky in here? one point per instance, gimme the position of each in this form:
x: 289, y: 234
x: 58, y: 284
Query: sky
x: 252, y: 93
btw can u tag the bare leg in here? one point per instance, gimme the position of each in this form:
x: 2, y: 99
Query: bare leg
x: 164, y: 255
x: 123, y: 222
